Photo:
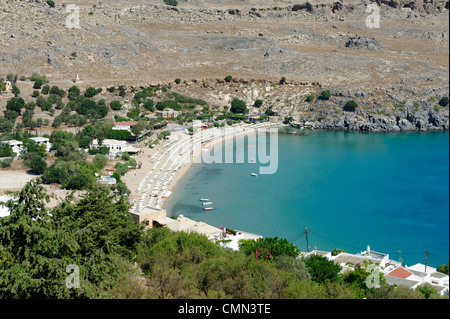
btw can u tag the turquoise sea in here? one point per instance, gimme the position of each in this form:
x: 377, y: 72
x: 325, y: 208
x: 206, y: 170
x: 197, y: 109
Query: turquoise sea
x: 350, y: 189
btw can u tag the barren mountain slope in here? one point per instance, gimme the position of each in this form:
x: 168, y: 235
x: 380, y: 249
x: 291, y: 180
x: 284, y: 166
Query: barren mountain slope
x: 143, y: 41
x: 316, y: 45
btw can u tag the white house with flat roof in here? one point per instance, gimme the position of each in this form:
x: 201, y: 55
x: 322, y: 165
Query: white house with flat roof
x: 43, y: 141
x: 115, y: 146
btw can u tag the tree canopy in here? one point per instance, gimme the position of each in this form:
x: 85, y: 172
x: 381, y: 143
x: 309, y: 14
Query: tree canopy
x: 238, y: 106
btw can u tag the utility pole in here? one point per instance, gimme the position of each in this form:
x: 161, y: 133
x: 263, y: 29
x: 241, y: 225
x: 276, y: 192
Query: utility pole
x: 400, y: 259
x: 307, y: 243
x: 426, y: 260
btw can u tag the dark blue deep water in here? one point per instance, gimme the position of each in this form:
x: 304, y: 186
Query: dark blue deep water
x: 386, y: 190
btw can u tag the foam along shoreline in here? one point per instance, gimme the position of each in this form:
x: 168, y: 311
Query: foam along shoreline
x: 166, y: 168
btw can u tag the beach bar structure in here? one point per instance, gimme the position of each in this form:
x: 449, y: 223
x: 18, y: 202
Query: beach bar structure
x: 187, y: 225
x: 148, y: 215
x: 115, y: 146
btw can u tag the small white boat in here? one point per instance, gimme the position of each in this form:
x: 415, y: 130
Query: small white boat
x: 204, y: 199
x: 254, y: 174
x: 207, y: 203
x: 208, y: 208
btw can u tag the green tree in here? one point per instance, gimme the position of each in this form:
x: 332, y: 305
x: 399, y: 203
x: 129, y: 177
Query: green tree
x: 36, y: 163
x: 6, y: 151
x: 15, y: 90
x: 100, y: 161
x: 80, y: 182
x: 15, y: 104
x: 90, y: 92
x: 149, y: 105
x: 269, y: 248
x: 38, y: 84
x: 322, y: 269
x: 6, y: 125
x: 94, y: 233
x: 442, y: 268
x: 238, y: 106
x: 428, y: 291
x: 228, y: 78
x: 310, y: 98
x: 45, y: 89
x: 258, y: 103
x: 115, y: 105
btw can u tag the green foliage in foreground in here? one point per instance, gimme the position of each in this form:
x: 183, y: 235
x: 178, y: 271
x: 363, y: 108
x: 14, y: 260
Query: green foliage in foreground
x: 96, y: 234
x: 119, y: 259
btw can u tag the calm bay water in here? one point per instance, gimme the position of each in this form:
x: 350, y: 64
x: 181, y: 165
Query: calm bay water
x: 386, y: 190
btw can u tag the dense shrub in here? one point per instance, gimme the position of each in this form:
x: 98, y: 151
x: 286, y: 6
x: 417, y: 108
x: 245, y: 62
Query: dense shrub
x: 238, y: 106
x: 115, y: 105
x: 325, y: 95
x: 444, y: 101
x: 310, y: 98
x: 350, y: 106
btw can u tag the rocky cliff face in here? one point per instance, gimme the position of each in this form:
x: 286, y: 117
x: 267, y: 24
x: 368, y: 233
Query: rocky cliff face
x: 325, y: 42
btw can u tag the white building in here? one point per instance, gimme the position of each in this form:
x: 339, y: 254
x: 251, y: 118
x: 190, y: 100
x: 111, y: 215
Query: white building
x: 17, y: 146
x: 124, y: 126
x: 43, y: 141
x: 107, y: 180
x: 115, y: 146
x: 394, y: 272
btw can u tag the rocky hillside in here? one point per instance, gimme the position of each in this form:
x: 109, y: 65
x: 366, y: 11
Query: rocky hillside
x: 395, y: 72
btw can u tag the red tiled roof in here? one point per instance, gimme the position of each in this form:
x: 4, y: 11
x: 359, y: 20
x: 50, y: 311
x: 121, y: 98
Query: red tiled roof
x: 400, y: 273
x: 129, y: 123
